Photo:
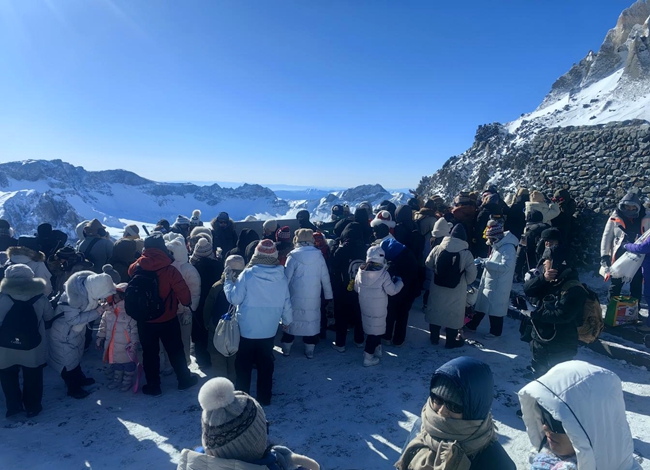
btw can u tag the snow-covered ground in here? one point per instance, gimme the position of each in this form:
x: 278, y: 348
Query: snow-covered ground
x: 330, y: 408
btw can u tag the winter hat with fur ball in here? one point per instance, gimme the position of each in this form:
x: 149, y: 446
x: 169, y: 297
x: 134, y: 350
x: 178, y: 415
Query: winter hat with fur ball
x: 203, y: 249
x: 233, y: 423
x: 195, y: 220
x: 376, y: 255
x: 383, y: 217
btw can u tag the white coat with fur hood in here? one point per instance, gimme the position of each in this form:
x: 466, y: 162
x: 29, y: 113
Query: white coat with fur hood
x: 589, y: 402
x: 188, y: 271
x: 496, y: 282
x: 78, y: 305
x: 307, y: 273
x: 373, y: 288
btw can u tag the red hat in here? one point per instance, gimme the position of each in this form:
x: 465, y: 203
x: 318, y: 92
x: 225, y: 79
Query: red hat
x: 266, y: 247
x: 283, y: 234
x: 383, y: 217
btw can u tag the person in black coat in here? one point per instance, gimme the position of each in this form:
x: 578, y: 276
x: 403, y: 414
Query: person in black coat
x: 457, y: 411
x: 223, y: 233
x: 559, y: 299
x: 246, y: 237
x: 49, y: 240
x: 492, y: 207
x: 516, y: 217
x: 402, y: 264
x: 303, y: 220
x: 362, y: 217
x: 527, y: 249
x: 564, y: 222
x: 6, y: 236
x: 345, y: 263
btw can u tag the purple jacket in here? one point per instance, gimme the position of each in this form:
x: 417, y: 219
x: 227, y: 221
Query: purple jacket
x: 642, y: 248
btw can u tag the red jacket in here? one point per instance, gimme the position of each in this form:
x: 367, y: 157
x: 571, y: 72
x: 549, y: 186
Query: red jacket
x: 169, y: 280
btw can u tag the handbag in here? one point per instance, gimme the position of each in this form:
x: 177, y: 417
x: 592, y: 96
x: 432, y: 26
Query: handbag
x: 226, y: 335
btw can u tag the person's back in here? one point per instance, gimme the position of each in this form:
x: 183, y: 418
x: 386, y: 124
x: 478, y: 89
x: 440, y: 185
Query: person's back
x: 6, y: 235
x: 96, y: 247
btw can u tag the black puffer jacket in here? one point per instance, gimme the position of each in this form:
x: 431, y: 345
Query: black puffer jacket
x: 225, y: 237
x: 516, y: 218
x: 408, y: 234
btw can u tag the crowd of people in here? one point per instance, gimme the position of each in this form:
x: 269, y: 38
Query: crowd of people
x: 162, y: 297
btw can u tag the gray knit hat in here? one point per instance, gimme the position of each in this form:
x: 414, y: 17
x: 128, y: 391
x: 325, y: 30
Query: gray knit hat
x: 233, y: 422
x: 203, y: 249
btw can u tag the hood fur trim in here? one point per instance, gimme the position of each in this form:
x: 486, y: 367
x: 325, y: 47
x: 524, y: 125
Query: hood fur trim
x: 21, y: 250
x: 22, y: 288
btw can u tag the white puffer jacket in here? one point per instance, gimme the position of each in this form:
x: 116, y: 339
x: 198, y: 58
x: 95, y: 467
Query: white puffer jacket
x: 589, y: 402
x: 549, y: 211
x: 374, y: 287
x: 188, y: 271
x: 307, y: 273
x: 496, y: 282
x: 118, y: 329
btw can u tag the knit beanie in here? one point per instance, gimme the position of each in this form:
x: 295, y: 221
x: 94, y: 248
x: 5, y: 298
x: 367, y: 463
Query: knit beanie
x: 392, y: 248
x: 99, y: 286
x: 132, y: 231
x: 494, y: 230
x: 196, y: 218
x: 534, y: 216
x: 552, y: 233
x: 459, y: 232
x: 162, y: 226
x: 303, y: 236
x: 414, y: 203
x: 441, y: 228
x: 223, y: 217
x: 536, y: 196
x: 445, y: 388
x: 19, y: 271
x: 366, y: 205
x: 115, y: 276
x: 155, y: 240
x: 283, y: 234
x: 233, y: 423
x: 266, y: 248
x: 203, y: 249
x: 235, y: 262
x: 383, y: 217
x: 270, y: 225
x: 182, y: 220
x: 375, y: 254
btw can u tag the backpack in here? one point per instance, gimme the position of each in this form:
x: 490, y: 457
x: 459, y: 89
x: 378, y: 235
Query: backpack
x: 591, y: 323
x: 19, y: 329
x: 446, y: 272
x: 142, y: 300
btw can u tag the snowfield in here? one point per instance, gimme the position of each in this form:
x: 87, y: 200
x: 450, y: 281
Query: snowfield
x: 330, y: 408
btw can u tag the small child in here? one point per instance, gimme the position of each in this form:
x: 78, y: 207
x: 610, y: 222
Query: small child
x: 374, y: 285
x: 118, y: 336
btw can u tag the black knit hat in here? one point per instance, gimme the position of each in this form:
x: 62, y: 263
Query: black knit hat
x: 155, y: 240
x: 445, y: 388
x: 551, y: 234
x: 459, y: 232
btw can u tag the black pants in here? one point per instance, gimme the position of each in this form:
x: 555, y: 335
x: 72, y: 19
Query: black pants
x: 544, y: 359
x: 347, y: 312
x: 287, y: 338
x: 73, y: 378
x: 496, y: 323
x: 372, y: 341
x: 169, y: 333
x: 32, y: 393
x: 397, y: 319
x: 260, y: 353
x: 200, y: 340
x: 450, y: 333
x: 636, y: 286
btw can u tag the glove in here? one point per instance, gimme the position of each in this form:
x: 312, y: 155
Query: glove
x: 606, y: 261
x: 186, y: 317
x: 627, y: 246
x: 99, y: 344
x: 290, y: 461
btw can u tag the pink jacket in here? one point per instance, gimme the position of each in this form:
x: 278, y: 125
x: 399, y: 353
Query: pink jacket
x: 119, y: 330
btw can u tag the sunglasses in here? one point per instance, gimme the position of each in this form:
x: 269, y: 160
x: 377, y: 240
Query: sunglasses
x: 553, y: 424
x: 453, y: 407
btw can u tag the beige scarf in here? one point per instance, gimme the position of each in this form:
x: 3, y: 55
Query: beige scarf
x: 263, y: 259
x: 446, y: 444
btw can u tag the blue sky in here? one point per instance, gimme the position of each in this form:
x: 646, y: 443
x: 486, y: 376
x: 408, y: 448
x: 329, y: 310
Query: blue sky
x: 304, y: 92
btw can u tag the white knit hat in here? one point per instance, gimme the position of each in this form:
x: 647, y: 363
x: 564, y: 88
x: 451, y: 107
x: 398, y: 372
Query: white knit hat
x: 441, y: 228
x: 376, y: 255
x: 383, y: 217
x: 233, y: 422
x: 270, y: 225
x: 99, y: 286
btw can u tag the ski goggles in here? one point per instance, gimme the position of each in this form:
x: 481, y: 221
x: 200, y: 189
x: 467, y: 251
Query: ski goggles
x: 553, y: 424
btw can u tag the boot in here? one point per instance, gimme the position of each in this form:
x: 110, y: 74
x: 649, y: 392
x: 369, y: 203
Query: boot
x: 369, y: 360
x: 117, y: 380
x: 309, y: 350
x: 377, y: 351
x: 340, y: 349
x: 127, y: 381
x: 286, y: 348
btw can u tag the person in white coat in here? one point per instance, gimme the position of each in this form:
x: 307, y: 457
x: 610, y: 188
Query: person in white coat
x: 78, y: 305
x: 307, y: 274
x: 27, y: 253
x: 191, y: 276
x: 374, y: 285
x: 575, y: 419
x: 496, y: 282
x: 538, y: 202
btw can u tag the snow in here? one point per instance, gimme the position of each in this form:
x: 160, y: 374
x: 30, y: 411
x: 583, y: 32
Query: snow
x: 330, y: 408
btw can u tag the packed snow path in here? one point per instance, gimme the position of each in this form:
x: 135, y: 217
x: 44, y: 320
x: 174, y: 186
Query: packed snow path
x: 331, y: 408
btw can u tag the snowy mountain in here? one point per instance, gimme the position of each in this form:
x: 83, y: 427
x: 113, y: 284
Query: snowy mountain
x: 37, y: 191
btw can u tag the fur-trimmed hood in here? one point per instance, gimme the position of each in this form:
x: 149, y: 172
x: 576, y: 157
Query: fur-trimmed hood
x: 21, y: 288
x: 14, y: 251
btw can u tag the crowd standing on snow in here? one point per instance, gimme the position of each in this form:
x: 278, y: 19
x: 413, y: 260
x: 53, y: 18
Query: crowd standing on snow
x: 167, y: 295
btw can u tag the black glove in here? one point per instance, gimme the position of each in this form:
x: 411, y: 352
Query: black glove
x: 606, y: 261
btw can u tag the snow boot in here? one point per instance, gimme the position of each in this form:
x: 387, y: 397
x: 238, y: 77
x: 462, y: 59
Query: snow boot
x: 309, y: 350
x: 340, y: 349
x: 127, y: 381
x: 117, y: 380
x: 369, y: 360
x: 286, y: 348
x: 377, y: 351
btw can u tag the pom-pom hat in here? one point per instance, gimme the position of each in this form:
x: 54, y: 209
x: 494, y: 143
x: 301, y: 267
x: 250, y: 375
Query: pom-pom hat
x: 383, y: 217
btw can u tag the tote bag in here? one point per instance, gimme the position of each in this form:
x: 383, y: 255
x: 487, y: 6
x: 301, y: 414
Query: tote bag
x: 226, y: 336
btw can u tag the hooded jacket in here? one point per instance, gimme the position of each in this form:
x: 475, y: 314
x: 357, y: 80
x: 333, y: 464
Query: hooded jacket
x: 119, y: 330
x: 348, y: 257
x: 494, y: 290
x: 171, y: 284
x: 124, y: 255
x: 447, y: 307
x: 189, y: 273
x: 408, y: 234
x: 597, y: 426
x: 373, y: 288
x: 307, y: 273
x: 620, y: 229
x: 35, y: 260
x: 225, y: 238
x: 403, y: 264
x: 246, y: 237
x: 24, y: 289
x: 262, y: 297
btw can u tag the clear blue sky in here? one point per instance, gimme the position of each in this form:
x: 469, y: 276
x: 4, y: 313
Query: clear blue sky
x: 304, y: 92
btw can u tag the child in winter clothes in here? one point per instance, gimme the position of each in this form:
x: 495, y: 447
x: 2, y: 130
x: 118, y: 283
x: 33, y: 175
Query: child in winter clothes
x: 118, y: 336
x: 374, y: 285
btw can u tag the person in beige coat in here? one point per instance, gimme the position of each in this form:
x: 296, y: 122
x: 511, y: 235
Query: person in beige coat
x: 447, y: 305
x: 537, y: 202
x: 19, y: 284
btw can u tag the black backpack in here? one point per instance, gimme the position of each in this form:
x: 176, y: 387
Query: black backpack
x: 142, y: 300
x: 447, y: 271
x: 19, y: 329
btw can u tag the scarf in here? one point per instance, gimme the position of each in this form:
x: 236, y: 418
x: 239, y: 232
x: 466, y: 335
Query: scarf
x: 546, y: 460
x: 195, y: 259
x: 446, y: 444
x: 262, y: 259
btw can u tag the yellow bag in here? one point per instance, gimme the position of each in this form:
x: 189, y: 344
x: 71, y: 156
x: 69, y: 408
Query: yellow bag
x: 621, y: 310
